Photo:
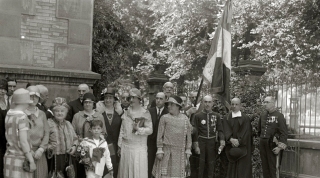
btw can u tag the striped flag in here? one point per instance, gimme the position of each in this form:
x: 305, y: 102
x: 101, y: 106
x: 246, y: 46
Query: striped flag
x: 218, y: 65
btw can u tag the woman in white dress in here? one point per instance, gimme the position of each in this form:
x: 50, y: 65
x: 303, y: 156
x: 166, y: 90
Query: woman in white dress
x: 135, y: 128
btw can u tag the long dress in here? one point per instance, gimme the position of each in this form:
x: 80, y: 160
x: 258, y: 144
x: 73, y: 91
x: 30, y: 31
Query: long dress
x: 15, y: 122
x: 134, y: 160
x: 174, y: 141
x: 39, y: 137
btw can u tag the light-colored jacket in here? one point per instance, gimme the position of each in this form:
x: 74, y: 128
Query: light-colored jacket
x: 105, y: 160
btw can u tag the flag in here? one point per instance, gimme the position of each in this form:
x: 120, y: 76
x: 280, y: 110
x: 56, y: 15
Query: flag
x: 218, y: 65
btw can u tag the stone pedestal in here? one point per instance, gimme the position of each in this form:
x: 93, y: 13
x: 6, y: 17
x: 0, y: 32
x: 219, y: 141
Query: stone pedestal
x: 156, y: 81
x: 60, y: 82
x: 253, y: 69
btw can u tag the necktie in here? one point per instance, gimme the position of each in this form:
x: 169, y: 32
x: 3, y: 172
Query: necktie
x: 158, y: 115
x: 8, y: 103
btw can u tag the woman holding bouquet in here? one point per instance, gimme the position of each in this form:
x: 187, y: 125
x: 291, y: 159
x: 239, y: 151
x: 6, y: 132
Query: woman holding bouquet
x: 62, y: 138
x: 173, y: 142
x: 135, y: 128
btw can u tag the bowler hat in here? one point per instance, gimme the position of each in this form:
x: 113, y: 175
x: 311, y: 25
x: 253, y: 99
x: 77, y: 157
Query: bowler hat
x: 34, y: 90
x: 235, y: 153
x: 175, y: 99
x: 21, y: 96
x: 108, y: 91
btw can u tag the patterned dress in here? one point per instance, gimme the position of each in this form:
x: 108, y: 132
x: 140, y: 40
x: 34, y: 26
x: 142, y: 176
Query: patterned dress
x: 133, y: 160
x: 174, y: 141
x: 15, y: 122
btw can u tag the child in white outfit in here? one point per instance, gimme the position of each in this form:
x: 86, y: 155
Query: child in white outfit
x: 99, y: 152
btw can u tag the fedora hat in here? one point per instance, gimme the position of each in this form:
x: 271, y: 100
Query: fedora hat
x: 175, y: 99
x: 34, y: 90
x: 108, y: 91
x: 235, y: 153
x: 21, y: 96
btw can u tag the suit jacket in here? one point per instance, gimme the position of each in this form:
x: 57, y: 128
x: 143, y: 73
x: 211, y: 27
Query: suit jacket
x: 152, y: 139
x: 75, y: 107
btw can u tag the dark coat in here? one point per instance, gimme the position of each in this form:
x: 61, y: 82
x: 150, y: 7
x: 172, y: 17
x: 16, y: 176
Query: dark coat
x: 113, y: 132
x: 152, y: 139
x: 239, y: 167
x: 75, y: 107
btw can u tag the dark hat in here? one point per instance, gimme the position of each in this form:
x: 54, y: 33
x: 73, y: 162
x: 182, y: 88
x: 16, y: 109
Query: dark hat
x: 175, y: 99
x: 108, y: 91
x: 4, y: 84
x: 89, y: 96
x: 235, y: 153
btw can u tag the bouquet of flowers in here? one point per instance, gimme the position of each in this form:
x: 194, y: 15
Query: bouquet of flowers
x: 83, y: 154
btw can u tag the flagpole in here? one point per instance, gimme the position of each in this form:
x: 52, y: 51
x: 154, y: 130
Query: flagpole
x: 198, y: 94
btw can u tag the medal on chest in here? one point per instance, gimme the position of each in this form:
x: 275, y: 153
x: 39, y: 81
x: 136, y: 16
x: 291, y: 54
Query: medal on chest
x: 203, y: 122
x: 272, y: 119
x: 213, y: 120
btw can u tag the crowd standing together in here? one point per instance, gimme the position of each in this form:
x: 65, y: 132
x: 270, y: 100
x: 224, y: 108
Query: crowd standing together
x: 118, y: 137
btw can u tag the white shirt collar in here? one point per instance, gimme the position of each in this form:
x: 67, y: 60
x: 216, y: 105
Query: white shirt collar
x: 161, y: 109
x: 237, y: 114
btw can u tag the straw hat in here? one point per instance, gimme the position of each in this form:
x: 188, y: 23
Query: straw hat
x: 21, y: 96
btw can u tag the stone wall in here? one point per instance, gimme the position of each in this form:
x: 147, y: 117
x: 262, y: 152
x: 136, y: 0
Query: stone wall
x: 48, y: 42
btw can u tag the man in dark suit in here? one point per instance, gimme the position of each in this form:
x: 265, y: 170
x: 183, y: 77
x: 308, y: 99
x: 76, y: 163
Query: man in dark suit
x: 156, y: 113
x: 168, y: 90
x: 76, y: 105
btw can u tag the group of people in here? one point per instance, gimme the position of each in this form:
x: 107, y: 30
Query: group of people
x: 125, y: 139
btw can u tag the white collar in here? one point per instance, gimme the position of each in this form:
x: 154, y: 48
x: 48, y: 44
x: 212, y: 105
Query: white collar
x: 237, y: 114
x: 160, y: 109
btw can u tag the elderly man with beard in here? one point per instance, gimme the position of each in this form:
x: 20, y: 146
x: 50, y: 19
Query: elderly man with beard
x: 237, y: 131
x: 273, y: 134
x: 76, y: 105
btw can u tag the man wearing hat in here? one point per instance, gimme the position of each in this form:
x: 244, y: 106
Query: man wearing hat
x: 76, y: 105
x: 273, y: 134
x: 209, y: 129
x: 237, y: 131
x: 156, y: 113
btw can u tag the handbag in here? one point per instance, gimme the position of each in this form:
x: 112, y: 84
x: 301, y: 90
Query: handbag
x: 26, y: 165
x: 70, y: 169
x: 53, y: 172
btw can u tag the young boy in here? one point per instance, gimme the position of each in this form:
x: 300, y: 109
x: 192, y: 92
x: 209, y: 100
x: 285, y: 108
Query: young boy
x: 99, y: 152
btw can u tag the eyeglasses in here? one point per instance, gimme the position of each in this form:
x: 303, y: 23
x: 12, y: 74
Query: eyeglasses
x: 126, y: 98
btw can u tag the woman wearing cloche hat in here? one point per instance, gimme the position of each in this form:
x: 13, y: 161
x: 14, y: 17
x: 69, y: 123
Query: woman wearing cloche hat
x: 173, y: 142
x: 39, y: 132
x: 135, y: 128
x: 17, y: 127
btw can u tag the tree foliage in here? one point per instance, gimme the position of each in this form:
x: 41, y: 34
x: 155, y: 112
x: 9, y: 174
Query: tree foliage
x: 111, y: 45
